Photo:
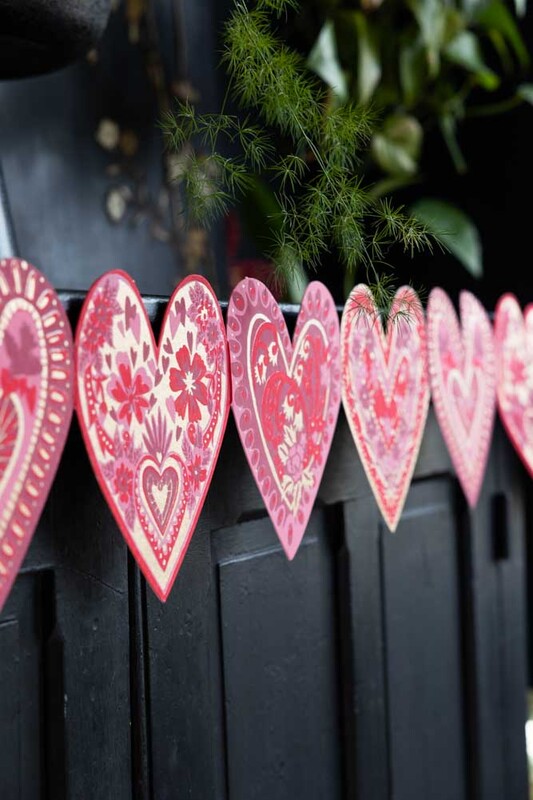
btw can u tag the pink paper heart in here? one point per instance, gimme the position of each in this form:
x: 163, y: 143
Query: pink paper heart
x: 513, y: 334
x: 153, y: 424
x: 285, y: 398
x: 36, y: 399
x: 385, y: 391
x: 462, y: 372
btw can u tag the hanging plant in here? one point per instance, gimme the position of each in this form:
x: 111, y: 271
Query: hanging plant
x: 308, y: 148
x: 422, y: 65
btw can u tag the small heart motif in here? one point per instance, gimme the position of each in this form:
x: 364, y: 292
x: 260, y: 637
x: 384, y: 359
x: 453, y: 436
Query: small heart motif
x: 155, y: 442
x: 132, y: 319
x: 286, y: 398
x: 36, y: 400
x: 160, y: 501
x: 462, y: 370
x: 513, y: 335
x: 385, y: 391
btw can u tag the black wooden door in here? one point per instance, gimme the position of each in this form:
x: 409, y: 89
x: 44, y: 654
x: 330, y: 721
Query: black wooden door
x: 372, y: 667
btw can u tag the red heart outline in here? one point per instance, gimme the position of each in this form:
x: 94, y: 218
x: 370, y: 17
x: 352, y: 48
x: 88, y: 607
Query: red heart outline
x: 35, y: 411
x: 385, y: 391
x: 286, y: 432
x: 513, y: 335
x: 160, y: 426
x: 462, y: 355
x: 146, y: 467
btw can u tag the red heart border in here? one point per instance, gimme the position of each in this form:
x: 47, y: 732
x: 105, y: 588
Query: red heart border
x: 361, y: 320
x: 252, y: 301
x: 24, y: 284
x: 474, y: 321
x: 513, y: 335
x: 162, y: 592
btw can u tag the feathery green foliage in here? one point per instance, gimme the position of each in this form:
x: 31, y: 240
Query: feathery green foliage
x: 322, y: 198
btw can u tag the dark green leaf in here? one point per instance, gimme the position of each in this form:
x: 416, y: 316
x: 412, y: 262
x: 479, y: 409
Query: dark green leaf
x: 368, y: 60
x: 520, y: 7
x: 396, y: 148
x: 501, y: 46
x: 448, y: 127
x: 525, y: 92
x: 496, y: 16
x: 413, y: 70
x: 431, y: 18
x: 465, y: 51
x: 323, y: 60
x: 454, y: 229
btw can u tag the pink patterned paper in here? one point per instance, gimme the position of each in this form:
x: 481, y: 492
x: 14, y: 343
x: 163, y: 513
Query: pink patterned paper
x: 153, y: 417
x: 36, y: 388
x: 462, y: 373
x: 286, y: 398
x: 385, y: 391
x: 513, y: 334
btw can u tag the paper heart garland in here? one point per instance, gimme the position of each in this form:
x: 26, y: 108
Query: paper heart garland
x: 513, y: 334
x: 385, y: 391
x: 462, y: 370
x: 153, y: 418
x: 286, y: 398
x: 36, y: 399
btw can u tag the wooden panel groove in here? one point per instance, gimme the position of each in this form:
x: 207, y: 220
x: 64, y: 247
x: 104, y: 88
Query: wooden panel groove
x: 139, y: 685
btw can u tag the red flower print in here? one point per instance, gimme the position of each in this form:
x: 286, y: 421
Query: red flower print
x: 129, y: 391
x: 196, y: 473
x: 123, y: 483
x: 188, y: 382
x: 201, y: 308
x: 100, y: 319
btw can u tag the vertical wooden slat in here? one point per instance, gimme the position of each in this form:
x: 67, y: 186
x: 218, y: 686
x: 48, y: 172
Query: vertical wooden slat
x: 499, y: 629
x: 139, y: 686
x: 53, y: 690
x: 10, y: 718
x: 424, y: 648
x: 92, y: 614
x: 186, y: 699
x: 280, y: 663
x: 364, y: 650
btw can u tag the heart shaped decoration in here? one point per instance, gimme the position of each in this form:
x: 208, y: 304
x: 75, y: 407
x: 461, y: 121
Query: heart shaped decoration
x: 36, y: 399
x: 286, y: 398
x: 462, y: 370
x: 385, y: 391
x: 513, y: 334
x: 153, y: 418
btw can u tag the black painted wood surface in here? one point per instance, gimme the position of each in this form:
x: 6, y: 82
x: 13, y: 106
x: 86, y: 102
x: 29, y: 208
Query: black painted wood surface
x: 372, y: 667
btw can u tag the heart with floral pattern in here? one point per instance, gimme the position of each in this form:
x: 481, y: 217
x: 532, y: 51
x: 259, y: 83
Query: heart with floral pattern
x: 36, y: 400
x: 286, y: 398
x: 462, y: 371
x: 153, y: 417
x: 513, y: 334
x: 385, y: 391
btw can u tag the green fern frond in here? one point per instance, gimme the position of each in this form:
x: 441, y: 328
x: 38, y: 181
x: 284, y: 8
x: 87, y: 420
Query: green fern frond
x: 319, y: 188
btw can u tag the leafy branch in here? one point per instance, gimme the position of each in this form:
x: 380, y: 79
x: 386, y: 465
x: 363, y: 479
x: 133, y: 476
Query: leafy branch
x: 321, y: 195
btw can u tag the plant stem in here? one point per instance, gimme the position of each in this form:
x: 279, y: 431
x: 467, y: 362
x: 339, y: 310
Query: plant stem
x: 495, y: 108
